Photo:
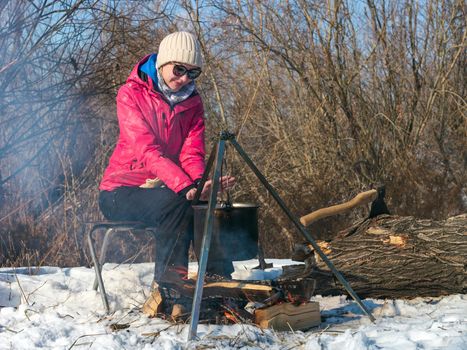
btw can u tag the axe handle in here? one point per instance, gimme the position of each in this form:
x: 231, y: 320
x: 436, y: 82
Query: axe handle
x: 360, y: 199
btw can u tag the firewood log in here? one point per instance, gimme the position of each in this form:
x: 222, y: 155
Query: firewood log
x: 396, y: 257
x: 287, y: 316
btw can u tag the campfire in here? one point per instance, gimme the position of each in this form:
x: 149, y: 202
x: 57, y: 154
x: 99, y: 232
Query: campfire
x: 282, y: 304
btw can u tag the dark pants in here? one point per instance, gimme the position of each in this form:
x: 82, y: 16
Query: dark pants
x: 171, y: 213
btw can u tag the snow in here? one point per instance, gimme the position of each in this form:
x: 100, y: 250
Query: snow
x: 56, y: 308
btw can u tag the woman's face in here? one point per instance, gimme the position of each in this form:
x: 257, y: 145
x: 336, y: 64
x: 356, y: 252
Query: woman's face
x: 174, y: 82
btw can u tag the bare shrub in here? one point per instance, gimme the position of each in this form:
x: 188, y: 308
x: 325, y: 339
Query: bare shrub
x: 327, y: 98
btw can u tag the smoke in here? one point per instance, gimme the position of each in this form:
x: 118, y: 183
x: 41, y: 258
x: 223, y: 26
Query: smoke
x: 45, y: 123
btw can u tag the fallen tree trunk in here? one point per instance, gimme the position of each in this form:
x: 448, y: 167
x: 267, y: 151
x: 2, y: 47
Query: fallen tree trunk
x: 395, y: 257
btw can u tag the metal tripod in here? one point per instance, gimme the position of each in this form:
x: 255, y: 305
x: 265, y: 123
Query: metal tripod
x: 217, y: 153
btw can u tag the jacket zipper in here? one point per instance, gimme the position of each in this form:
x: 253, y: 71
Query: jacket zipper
x: 171, y: 108
x: 166, y: 127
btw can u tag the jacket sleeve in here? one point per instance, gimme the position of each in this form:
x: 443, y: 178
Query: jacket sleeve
x: 193, y: 151
x: 143, y: 142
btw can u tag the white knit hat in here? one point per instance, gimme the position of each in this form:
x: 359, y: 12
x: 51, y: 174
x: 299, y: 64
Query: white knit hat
x: 179, y: 47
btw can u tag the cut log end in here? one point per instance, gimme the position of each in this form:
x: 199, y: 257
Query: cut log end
x: 289, y: 317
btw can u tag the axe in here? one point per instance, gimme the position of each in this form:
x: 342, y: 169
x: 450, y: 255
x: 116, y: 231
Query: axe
x: 376, y: 196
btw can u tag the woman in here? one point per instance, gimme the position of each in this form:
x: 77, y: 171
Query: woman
x: 159, y: 157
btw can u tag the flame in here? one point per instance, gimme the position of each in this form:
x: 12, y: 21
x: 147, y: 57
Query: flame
x: 297, y: 300
x: 231, y: 317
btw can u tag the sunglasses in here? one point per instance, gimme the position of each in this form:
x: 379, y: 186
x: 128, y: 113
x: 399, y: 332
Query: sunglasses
x: 180, y: 71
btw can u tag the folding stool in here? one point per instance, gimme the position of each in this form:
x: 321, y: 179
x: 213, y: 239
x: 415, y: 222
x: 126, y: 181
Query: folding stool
x: 110, y: 227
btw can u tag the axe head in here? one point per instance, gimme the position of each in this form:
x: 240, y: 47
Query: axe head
x: 378, y: 206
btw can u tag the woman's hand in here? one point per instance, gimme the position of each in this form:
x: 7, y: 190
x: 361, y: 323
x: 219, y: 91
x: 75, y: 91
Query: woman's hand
x: 226, y: 183
x: 190, y: 195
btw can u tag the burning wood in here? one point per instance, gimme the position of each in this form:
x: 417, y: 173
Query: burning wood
x: 225, y: 301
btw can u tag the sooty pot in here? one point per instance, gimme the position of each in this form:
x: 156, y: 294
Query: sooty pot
x: 234, y: 235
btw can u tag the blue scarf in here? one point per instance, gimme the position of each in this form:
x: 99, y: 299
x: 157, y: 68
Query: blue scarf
x: 174, y: 97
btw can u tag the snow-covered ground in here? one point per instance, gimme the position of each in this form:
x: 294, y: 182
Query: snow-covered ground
x: 56, y: 308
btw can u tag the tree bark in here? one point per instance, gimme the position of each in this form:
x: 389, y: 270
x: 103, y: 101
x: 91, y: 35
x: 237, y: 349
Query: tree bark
x: 395, y: 257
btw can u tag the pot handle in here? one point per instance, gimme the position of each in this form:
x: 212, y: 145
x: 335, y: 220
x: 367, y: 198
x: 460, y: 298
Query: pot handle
x: 360, y: 199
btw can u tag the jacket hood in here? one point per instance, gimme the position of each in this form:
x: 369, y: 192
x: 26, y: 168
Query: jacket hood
x: 134, y: 77
x: 149, y: 68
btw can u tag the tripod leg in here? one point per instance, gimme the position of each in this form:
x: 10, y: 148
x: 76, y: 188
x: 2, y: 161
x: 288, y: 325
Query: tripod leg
x: 207, y: 233
x: 301, y: 228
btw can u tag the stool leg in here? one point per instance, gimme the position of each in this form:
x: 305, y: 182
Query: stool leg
x: 105, y: 243
x: 97, y: 270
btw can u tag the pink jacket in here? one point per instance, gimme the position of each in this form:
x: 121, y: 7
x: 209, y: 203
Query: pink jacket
x: 155, y: 140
